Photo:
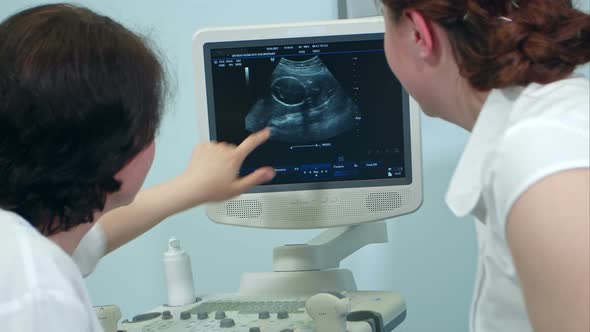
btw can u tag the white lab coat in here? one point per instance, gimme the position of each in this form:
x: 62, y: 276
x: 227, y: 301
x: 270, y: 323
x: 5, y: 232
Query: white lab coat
x: 41, y: 288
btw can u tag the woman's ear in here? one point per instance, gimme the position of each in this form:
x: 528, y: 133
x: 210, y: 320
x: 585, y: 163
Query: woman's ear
x: 133, y: 174
x: 423, y: 34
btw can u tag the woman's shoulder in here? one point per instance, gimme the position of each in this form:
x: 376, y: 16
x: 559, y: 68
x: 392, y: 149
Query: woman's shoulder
x: 564, y: 102
x: 547, y: 120
x: 547, y: 132
x: 575, y: 86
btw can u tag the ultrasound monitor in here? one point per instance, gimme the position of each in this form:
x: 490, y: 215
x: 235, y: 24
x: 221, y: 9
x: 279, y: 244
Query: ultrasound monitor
x: 345, y: 139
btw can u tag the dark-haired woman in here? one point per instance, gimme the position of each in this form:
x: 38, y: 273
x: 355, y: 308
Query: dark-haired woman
x: 502, y: 70
x: 80, y: 102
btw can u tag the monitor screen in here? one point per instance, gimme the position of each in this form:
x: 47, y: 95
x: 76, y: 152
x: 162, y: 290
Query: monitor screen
x: 339, y: 118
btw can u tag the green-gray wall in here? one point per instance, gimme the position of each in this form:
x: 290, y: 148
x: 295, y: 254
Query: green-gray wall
x: 430, y: 257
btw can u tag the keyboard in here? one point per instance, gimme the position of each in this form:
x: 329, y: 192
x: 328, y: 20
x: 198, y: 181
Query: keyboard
x: 371, y: 312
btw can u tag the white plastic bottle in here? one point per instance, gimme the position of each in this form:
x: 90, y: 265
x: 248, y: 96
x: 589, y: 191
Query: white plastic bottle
x: 179, y: 276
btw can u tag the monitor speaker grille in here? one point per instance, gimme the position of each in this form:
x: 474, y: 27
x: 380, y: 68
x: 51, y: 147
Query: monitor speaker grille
x: 311, y: 210
x: 244, y: 209
x: 384, y: 201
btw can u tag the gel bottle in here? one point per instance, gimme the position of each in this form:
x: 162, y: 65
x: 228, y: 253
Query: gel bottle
x: 179, y: 276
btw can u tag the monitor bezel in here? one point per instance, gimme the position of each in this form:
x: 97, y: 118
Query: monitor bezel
x: 310, y: 208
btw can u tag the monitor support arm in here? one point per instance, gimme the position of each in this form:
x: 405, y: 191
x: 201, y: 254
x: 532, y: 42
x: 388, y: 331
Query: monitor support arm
x: 314, y: 267
x: 329, y: 248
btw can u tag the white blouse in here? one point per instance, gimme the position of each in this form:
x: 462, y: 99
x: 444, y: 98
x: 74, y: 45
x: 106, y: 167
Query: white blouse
x: 522, y: 135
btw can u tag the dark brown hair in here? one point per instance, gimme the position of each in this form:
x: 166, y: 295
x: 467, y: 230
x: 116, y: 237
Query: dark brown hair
x: 80, y: 96
x: 500, y: 43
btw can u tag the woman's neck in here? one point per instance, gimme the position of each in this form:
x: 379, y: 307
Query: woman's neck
x: 469, y: 103
x: 69, y: 240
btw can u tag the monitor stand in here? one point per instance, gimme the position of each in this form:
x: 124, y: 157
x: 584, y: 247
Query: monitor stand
x: 314, y: 267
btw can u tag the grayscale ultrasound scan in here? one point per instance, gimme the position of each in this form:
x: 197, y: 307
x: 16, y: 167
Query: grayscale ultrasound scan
x: 304, y: 103
x: 335, y: 110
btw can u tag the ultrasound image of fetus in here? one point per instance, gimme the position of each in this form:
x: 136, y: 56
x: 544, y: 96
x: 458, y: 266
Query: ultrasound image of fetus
x: 305, y: 103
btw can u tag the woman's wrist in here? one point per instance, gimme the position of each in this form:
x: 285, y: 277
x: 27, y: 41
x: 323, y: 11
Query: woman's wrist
x: 182, y: 194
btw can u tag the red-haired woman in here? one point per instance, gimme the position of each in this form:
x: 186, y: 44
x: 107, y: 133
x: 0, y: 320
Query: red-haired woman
x: 502, y: 69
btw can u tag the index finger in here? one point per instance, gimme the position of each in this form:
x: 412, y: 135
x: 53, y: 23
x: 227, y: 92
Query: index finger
x: 251, y: 143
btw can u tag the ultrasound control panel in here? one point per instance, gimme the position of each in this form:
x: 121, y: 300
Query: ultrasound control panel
x: 370, y: 312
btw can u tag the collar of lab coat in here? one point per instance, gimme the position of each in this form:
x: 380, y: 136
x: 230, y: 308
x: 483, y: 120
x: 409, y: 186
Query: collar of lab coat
x: 465, y: 189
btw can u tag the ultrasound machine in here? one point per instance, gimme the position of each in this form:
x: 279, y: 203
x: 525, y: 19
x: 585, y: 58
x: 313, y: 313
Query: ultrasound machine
x: 346, y: 148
